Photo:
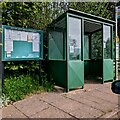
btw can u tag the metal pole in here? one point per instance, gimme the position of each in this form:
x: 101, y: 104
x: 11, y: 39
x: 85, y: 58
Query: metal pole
x: 116, y: 48
x: 40, y: 78
x: 2, y: 76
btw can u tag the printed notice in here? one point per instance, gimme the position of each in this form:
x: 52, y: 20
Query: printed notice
x: 16, y: 35
x: 8, y: 45
x: 36, y: 37
x: 104, y: 45
x: 71, y: 49
x: 35, y: 46
x: 30, y: 37
x: 24, y: 36
x: 8, y: 34
x: 8, y: 54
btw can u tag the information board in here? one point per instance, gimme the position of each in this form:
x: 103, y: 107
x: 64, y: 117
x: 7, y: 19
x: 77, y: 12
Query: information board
x: 21, y: 44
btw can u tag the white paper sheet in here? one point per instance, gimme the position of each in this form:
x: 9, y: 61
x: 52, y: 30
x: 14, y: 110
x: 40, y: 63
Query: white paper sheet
x: 16, y: 35
x: 36, y: 37
x: 71, y: 49
x: 35, y: 43
x: 104, y: 45
x: 8, y: 54
x: 24, y: 36
x: 8, y: 45
x: 30, y: 37
x: 8, y: 34
x: 35, y: 46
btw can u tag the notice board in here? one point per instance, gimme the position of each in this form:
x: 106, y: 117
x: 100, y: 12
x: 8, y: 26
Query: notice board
x: 21, y: 44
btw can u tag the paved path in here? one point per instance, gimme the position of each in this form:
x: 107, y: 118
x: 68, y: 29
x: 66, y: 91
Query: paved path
x: 96, y: 100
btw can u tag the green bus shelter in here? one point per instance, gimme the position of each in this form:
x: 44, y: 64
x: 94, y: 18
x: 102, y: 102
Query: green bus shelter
x: 80, y: 45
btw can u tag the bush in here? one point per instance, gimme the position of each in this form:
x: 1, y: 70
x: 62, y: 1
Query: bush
x: 16, y: 88
x: 22, y: 78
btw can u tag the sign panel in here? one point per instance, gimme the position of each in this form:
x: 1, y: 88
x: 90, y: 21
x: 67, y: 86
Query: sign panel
x: 117, y: 40
x: 21, y: 44
x: 117, y: 31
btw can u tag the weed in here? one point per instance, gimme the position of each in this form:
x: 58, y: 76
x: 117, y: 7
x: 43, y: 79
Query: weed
x: 4, y: 100
x: 16, y: 88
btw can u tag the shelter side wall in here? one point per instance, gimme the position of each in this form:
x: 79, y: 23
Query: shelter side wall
x: 58, y: 71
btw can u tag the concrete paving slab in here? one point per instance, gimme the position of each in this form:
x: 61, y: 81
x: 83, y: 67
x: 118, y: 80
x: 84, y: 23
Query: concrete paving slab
x: 75, y: 93
x: 89, y: 85
x: 104, y: 107
x: 96, y: 102
x: 106, y: 90
x: 103, y: 96
x: 31, y: 105
x: 55, y: 99
x: 71, y: 106
x: 115, y: 113
x: 86, y: 112
x: 66, y: 104
x: 81, y: 114
x: 27, y: 101
x: 61, y: 102
x: 115, y: 97
x: 96, y: 99
x: 51, y: 112
x: 11, y: 112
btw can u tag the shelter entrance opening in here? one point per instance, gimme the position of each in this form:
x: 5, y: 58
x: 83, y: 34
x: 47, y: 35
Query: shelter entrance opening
x: 92, y: 49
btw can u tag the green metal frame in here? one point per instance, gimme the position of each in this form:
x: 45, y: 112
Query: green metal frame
x: 27, y: 30
x: 75, y: 68
x: 108, y: 63
x: 57, y: 67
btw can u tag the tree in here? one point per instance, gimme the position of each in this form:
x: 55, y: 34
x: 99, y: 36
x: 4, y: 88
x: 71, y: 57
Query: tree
x: 102, y: 9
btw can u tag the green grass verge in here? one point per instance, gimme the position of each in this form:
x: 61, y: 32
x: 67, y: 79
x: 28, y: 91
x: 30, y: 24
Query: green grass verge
x: 16, y: 88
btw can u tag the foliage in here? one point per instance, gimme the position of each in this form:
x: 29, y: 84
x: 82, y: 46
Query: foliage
x: 38, y: 15
x: 16, y: 88
x: 96, y: 43
x: 19, y: 68
x: 101, y: 9
x: 4, y: 100
x: 35, y: 15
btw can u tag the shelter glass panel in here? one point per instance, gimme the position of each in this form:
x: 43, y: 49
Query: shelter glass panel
x: 57, y: 39
x: 55, y: 45
x: 107, y: 41
x: 86, y: 47
x: 74, y: 38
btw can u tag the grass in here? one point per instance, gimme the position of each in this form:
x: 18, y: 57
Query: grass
x: 17, y: 88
